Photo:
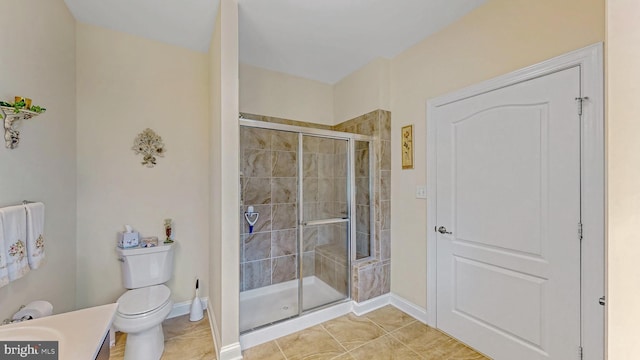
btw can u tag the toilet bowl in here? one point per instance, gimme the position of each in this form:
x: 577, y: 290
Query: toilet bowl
x: 142, y: 309
x: 140, y: 314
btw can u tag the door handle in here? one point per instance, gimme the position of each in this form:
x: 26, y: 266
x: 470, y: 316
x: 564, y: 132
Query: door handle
x: 442, y: 230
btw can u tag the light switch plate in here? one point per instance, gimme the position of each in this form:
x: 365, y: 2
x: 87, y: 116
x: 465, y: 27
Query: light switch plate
x: 421, y: 192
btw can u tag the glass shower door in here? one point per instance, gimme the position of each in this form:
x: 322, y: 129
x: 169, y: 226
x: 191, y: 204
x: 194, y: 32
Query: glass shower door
x: 325, y: 227
x: 269, y: 226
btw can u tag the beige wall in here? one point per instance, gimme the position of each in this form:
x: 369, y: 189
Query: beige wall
x: 225, y: 186
x: 272, y: 93
x: 362, y: 91
x: 124, y: 85
x: 623, y: 167
x: 498, y: 37
x: 276, y: 94
x: 38, y: 61
x: 215, y: 176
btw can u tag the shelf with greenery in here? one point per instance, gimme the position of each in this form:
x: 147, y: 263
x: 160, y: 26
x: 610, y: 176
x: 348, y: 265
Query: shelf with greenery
x: 14, y: 112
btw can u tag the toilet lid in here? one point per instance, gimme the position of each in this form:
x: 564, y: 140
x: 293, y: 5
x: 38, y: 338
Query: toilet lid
x: 140, y: 301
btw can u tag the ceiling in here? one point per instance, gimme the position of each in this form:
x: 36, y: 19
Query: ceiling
x: 326, y: 40
x: 186, y: 23
x: 323, y: 40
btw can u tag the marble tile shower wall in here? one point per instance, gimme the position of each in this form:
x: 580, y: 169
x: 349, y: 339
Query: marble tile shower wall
x: 371, y: 278
x: 276, y: 120
x: 324, y: 197
x: 269, y: 183
x: 363, y: 200
x: 331, y: 248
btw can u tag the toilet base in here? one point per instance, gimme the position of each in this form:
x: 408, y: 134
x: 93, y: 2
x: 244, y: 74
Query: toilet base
x: 145, y: 345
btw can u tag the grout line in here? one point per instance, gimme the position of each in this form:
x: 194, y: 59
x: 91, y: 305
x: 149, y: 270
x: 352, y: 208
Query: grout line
x: 376, y: 339
x: 363, y: 344
x: 385, y: 333
x: 394, y: 330
x: 279, y: 348
x: 343, y: 354
x: 410, y: 349
x: 334, y: 338
x: 378, y: 325
x: 437, y: 343
x: 404, y: 326
x: 402, y: 342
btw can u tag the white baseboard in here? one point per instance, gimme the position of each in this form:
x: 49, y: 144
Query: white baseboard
x: 371, y: 304
x: 215, y: 333
x: 410, y: 308
x: 231, y: 352
x: 184, y: 308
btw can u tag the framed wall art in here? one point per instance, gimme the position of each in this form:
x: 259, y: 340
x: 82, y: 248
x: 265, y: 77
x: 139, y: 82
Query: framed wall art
x: 407, y: 147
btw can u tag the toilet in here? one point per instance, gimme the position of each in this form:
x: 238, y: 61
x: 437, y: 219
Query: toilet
x: 143, y: 308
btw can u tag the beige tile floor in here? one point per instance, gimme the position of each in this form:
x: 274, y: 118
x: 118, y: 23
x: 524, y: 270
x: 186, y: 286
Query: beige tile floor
x: 383, y: 334
x: 386, y: 333
x: 182, y: 340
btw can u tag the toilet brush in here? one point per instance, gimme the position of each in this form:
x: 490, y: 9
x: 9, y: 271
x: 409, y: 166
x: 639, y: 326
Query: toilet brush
x: 196, y: 306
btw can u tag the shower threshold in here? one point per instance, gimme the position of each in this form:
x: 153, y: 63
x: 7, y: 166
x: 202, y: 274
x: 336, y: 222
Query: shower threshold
x: 270, y: 304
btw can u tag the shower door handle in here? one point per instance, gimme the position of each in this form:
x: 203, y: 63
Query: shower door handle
x: 324, y: 221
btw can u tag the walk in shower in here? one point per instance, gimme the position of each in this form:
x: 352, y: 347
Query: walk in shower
x: 306, y: 213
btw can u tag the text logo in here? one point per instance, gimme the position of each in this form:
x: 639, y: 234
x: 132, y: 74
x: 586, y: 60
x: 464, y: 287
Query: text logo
x: 29, y: 350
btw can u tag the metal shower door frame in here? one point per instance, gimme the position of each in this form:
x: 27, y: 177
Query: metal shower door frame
x: 351, y: 204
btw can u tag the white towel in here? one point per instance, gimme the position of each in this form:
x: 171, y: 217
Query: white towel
x: 35, y: 236
x: 4, y: 272
x: 14, y: 223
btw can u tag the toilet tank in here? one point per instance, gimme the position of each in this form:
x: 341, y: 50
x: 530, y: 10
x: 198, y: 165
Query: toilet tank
x: 146, y: 266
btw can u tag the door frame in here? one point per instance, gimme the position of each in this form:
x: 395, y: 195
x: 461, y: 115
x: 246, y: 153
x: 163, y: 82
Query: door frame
x: 590, y: 61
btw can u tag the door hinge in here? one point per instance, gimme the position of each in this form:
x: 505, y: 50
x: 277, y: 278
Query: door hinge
x: 580, y: 101
x: 580, y: 231
x: 602, y: 301
x: 580, y: 353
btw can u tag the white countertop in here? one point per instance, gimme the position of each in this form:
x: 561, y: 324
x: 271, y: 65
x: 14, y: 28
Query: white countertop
x: 80, y: 332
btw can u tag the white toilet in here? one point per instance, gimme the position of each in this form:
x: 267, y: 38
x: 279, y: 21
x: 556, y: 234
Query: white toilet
x: 142, y: 309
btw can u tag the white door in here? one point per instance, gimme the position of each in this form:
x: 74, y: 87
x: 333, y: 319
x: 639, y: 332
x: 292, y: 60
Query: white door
x: 508, y: 191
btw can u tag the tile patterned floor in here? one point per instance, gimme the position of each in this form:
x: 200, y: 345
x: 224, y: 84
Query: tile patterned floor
x: 386, y: 333
x: 183, y: 339
x: 383, y: 334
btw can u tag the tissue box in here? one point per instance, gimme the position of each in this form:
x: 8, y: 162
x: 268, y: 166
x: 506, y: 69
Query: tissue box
x: 149, y: 241
x: 128, y: 240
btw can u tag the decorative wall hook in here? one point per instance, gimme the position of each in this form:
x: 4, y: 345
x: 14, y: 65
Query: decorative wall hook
x: 150, y: 145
